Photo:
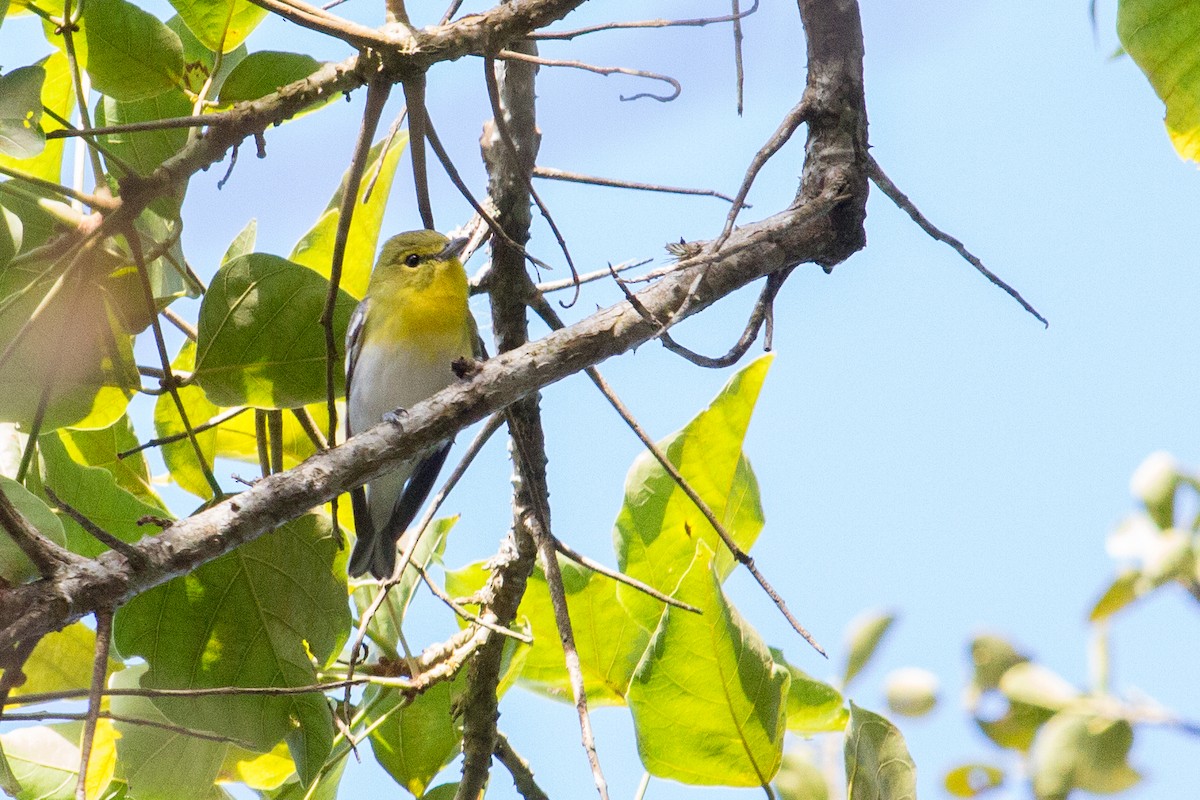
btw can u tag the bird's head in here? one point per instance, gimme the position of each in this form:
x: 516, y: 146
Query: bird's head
x: 415, y: 259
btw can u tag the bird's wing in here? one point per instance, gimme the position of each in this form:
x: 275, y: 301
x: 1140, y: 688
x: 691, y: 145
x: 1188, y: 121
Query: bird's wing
x: 354, y: 339
x: 363, y: 526
x: 420, y: 483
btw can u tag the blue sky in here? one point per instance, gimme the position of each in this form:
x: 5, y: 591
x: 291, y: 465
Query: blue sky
x: 922, y: 444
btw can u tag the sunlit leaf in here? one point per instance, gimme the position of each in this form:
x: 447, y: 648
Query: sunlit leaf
x: 45, y: 760
x: 249, y: 618
x: 813, y: 706
x: 131, y: 54
x: 94, y: 493
x: 161, y: 764
x: 1037, y: 685
x: 220, y: 24
x: 878, y: 766
x: 260, y: 771
x: 15, y: 566
x: 417, y: 739
x: 659, y: 528
x: 260, y: 338
x: 243, y: 243
x: 991, y: 657
x: 200, y: 61
x: 1160, y: 36
x: 62, y: 661
x: 315, y: 248
x: 708, y: 699
x: 800, y: 779
x: 1079, y: 751
x: 104, y: 447
x: 21, y: 133
x: 264, y: 72
x: 1120, y: 593
x: 862, y: 639
x: 972, y: 780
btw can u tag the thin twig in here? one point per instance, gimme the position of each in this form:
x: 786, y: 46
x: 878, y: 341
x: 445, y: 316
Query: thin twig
x: 66, y: 29
x: 275, y: 434
x: 215, y: 691
x: 309, y: 426
x: 648, y: 23
x: 511, y: 55
x: 131, y: 553
x: 462, y: 612
x: 47, y: 716
x: 880, y: 179
x: 185, y: 327
x: 219, y: 419
x: 139, y: 260
x: 13, y: 663
x: 797, y: 116
x: 104, y: 618
x: 550, y: 173
x: 49, y: 558
x: 519, y: 769
x: 621, y: 577
x: 96, y: 201
x: 737, y: 55
x: 418, y: 123
x: 588, y: 277
x: 260, y: 442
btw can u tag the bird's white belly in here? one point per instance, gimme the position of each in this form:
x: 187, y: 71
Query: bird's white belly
x: 389, y: 378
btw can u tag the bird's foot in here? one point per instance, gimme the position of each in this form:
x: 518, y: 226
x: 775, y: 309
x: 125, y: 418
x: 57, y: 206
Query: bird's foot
x: 396, y: 416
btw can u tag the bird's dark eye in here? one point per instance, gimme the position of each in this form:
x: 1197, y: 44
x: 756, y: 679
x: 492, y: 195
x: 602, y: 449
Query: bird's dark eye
x: 412, y: 260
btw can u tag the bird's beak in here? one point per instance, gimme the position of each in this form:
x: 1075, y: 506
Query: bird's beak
x: 452, y: 249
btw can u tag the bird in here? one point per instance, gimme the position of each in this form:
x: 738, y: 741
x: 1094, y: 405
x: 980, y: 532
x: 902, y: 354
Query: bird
x: 402, y: 339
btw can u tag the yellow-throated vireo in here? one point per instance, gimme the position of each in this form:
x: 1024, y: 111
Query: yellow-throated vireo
x: 402, y: 340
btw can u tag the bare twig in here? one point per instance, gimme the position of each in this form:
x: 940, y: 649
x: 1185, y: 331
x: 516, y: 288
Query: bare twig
x: 213, y: 691
x: 621, y: 577
x: 511, y: 55
x: 880, y: 179
x: 418, y: 125
x: 648, y: 23
x: 309, y: 426
x: 103, y: 202
x: 46, y: 716
x: 136, y: 559
x: 518, y: 767
x: 47, y: 557
x: 104, y: 619
x: 737, y: 55
x: 588, y: 277
x: 551, y: 173
x: 462, y: 612
x: 13, y: 663
x: 219, y: 419
x: 797, y: 116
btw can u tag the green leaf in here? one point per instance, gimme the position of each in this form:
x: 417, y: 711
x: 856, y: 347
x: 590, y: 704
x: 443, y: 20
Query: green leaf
x: 160, y: 764
x: 991, y: 657
x: 659, y: 530
x: 220, y: 24
x: 1018, y: 726
x: 15, y: 566
x: 144, y: 150
x: 200, y: 60
x: 249, y: 618
x: 800, y: 779
x: 95, y: 493
x: 62, y: 660
x: 1161, y: 36
x: 862, y: 639
x: 325, y: 788
x: 416, y: 740
x: 708, y: 699
x: 131, y: 54
x: 45, y: 760
x: 12, y: 231
x: 972, y: 780
x: 1081, y: 751
x: 8, y: 781
x: 259, y: 771
x: 235, y: 438
x: 1036, y: 685
x: 813, y: 706
x: 58, y: 95
x: 21, y: 133
x: 76, y: 353
x: 911, y: 691
x: 878, y: 766
x: 1120, y: 593
x: 243, y: 243
x: 384, y: 627
x: 315, y: 248
x: 262, y: 73
x: 103, y: 448
x: 260, y: 339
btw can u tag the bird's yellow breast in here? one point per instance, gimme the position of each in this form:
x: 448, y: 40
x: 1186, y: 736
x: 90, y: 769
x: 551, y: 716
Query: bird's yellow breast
x: 429, y: 307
